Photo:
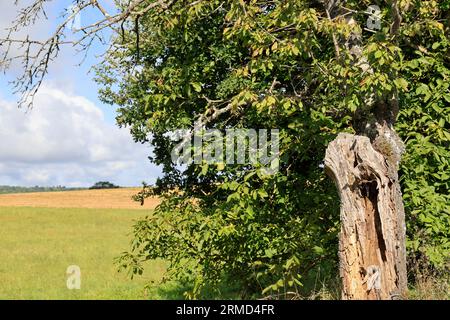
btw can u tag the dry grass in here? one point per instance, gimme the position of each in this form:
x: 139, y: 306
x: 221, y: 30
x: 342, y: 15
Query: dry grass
x: 95, y: 199
x: 430, y: 289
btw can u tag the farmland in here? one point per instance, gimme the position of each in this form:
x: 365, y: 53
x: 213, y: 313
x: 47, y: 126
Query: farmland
x: 43, y: 234
x: 98, y: 199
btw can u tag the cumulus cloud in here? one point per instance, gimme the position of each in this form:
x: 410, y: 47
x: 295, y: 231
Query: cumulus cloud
x: 65, y: 140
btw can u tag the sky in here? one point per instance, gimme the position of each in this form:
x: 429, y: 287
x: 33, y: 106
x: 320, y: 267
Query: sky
x: 69, y: 138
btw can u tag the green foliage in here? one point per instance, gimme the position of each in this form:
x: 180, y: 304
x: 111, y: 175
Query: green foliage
x: 275, y: 63
x: 424, y: 124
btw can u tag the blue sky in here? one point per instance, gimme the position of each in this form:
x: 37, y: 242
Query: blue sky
x: 69, y: 137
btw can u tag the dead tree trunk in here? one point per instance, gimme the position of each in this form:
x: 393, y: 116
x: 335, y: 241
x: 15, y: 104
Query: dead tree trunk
x: 364, y: 167
x: 372, y: 238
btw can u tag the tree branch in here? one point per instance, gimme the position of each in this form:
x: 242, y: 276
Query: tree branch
x: 395, y: 26
x: 36, y: 55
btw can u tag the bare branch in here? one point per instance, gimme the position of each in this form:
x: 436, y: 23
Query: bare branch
x: 395, y: 26
x: 211, y: 114
x: 335, y: 42
x: 36, y: 54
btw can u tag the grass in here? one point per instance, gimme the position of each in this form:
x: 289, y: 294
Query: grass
x: 38, y: 244
x: 430, y: 288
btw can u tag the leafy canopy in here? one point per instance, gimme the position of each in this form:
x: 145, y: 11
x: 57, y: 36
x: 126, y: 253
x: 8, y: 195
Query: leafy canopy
x: 275, y: 64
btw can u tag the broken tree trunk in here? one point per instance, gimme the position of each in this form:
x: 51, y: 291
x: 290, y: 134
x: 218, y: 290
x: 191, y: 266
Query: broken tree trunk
x: 372, y: 238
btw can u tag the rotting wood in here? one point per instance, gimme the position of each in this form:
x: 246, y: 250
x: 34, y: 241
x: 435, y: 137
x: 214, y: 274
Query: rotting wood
x: 371, y: 242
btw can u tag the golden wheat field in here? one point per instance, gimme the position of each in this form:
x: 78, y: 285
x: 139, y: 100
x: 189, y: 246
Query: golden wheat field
x: 93, y: 199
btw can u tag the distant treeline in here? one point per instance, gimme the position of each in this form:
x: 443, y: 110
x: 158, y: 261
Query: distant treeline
x: 15, y: 189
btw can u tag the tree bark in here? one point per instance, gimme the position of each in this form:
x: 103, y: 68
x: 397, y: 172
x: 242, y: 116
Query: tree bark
x: 372, y: 239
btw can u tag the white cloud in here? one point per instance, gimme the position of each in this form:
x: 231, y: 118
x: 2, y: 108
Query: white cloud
x: 65, y: 140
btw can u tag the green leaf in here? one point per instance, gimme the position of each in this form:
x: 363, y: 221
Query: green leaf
x: 197, y: 86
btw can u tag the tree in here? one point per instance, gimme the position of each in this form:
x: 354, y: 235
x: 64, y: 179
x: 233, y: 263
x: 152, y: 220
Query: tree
x: 104, y: 185
x: 364, y: 166
x: 308, y: 68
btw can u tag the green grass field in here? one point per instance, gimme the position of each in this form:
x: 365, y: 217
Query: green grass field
x: 38, y: 244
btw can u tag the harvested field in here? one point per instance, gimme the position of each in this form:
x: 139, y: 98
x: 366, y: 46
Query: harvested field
x: 96, y: 199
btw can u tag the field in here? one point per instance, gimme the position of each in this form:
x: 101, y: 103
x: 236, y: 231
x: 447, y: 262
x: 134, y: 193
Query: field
x: 42, y: 234
x: 101, y: 199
